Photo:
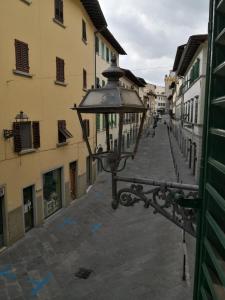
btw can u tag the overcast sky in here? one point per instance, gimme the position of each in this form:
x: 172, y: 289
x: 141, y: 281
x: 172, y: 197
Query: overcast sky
x: 151, y: 30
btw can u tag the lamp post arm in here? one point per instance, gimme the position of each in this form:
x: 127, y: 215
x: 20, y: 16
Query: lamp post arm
x: 179, y: 203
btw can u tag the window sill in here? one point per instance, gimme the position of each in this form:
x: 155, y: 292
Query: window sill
x: 84, y: 41
x: 27, y: 1
x: 58, y: 145
x: 59, y: 23
x: 27, y: 151
x: 61, y: 83
x: 24, y: 74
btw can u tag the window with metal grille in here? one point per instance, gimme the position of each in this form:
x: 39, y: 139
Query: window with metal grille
x: 60, y: 66
x: 59, y: 10
x: 84, y: 79
x: 26, y: 135
x: 84, y: 31
x: 63, y: 132
x: 87, y: 127
x: 22, y: 56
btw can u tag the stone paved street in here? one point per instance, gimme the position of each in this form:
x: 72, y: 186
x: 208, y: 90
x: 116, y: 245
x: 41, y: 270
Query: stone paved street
x: 133, y: 253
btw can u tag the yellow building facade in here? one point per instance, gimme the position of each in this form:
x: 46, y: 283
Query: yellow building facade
x: 52, y: 166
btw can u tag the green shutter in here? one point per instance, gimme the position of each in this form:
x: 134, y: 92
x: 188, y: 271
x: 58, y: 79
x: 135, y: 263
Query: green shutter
x: 210, y: 255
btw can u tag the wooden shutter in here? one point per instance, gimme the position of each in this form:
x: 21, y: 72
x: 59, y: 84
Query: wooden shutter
x: 60, y: 65
x: 17, y: 137
x: 36, y: 135
x: 22, y: 58
x: 210, y: 256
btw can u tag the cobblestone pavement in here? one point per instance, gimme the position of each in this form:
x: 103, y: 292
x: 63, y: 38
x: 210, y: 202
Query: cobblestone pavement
x: 133, y: 253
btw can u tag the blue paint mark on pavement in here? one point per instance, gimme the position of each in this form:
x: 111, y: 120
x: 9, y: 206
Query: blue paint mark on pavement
x: 99, y: 194
x: 67, y: 221
x: 95, y: 227
x: 40, y: 284
x: 8, y: 272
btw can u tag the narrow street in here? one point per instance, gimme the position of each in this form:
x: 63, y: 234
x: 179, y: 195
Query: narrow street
x: 133, y: 253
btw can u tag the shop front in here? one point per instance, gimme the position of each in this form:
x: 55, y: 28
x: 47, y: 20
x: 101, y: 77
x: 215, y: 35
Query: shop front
x: 52, y: 190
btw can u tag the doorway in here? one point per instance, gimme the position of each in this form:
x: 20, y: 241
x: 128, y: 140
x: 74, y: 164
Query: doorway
x: 73, y: 179
x: 88, y: 171
x: 1, y: 222
x: 28, y: 208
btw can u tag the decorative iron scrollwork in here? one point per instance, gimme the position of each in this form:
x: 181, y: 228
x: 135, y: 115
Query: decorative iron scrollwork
x: 165, y: 201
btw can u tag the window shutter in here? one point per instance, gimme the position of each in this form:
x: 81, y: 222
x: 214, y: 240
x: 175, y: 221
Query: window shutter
x: 17, y: 137
x: 60, y: 65
x: 36, y: 135
x: 22, y: 58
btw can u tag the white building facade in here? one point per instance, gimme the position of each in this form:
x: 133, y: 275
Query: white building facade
x: 190, y: 66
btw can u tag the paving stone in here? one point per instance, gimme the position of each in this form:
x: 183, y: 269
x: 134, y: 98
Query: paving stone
x: 130, y: 254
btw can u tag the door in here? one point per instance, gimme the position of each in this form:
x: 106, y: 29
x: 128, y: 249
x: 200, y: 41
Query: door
x: 73, y: 179
x: 1, y: 222
x: 88, y: 170
x: 210, y: 257
x: 28, y: 208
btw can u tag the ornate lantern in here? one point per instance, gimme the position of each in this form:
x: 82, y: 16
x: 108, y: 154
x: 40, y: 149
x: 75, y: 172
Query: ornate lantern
x: 119, y: 102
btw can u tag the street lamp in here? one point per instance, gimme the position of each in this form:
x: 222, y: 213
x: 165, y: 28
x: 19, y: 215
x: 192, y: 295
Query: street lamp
x: 112, y: 99
x: 168, y: 198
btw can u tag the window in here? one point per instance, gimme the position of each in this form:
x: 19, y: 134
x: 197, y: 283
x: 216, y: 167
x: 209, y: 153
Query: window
x: 97, y: 45
x: 107, y: 54
x: 84, y: 31
x: 98, y: 122
x: 26, y: 136
x: 22, y: 57
x: 84, y: 79
x: 196, y: 110
x: 60, y: 65
x: 59, y: 10
x: 87, y: 127
x: 192, y: 110
x: 63, y: 133
x: 103, y: 50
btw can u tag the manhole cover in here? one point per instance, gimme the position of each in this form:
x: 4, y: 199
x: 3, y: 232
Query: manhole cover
x: 83, y: 273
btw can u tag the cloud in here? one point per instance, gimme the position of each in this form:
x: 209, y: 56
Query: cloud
x: 151, y: 30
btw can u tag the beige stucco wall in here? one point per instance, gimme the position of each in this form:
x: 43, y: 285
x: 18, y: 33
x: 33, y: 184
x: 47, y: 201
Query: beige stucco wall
x: 38, y: 96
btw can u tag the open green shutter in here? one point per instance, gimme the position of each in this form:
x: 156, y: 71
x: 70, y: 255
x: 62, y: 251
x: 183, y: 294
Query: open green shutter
x: 210, y: 257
